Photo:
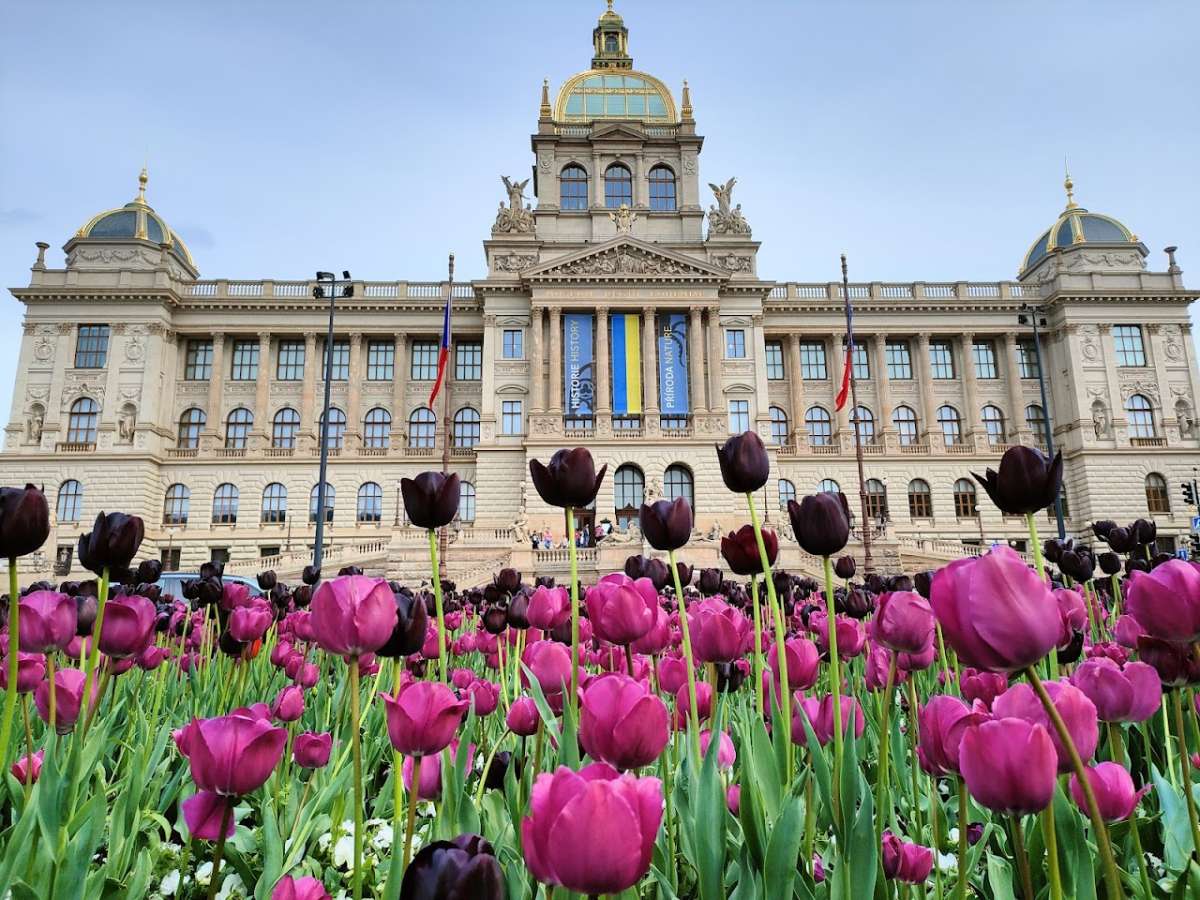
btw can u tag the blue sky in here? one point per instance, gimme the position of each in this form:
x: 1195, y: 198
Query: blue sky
x: 925, y: 138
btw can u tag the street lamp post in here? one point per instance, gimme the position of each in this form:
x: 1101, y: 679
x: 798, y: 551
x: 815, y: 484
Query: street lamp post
x: 1035, y: 317
x: 327, y: 284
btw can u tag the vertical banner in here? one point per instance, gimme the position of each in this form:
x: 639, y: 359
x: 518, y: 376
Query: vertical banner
x: 673, y: 364
x: 625, y: 348
x: 579, y: 370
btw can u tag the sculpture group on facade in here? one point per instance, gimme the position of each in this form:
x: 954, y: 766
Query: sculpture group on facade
x: 724, y: 218
x: 516, y: 218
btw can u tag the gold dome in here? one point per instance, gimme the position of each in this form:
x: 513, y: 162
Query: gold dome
x: 136, y: 220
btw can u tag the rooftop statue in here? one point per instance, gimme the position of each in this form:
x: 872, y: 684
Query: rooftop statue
x: 722, y: 218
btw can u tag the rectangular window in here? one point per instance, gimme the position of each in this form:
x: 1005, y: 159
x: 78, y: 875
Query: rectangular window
x: 169, y: 556
x: 862, y: 363
x: 1128, y: 341
x: 511, y: 420
x: 774, y: 361
x: 1027, y: 358
x: 812, y: 361
x: 899, y: 360
x: 985, y: 359
x: 381, y: 360
x: 341, y: 362
x: 424, y: 360
x: 291, y: 361
x: 219, y: 555
x: 91, y: 347
x: 735, y: 343
x: 198, y: 363
x: 245, y: 361
x: 739, y: 416
x: 941, y: 360
x: 271, y: 550
x: 468, y: 361
x: 514, y: 344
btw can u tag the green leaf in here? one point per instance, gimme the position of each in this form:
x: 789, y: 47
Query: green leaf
x: 819, y: 766
x: 1076, y: 856
x: 1000, y: 877
x: 762, y: 766
x: 708, y: 825
x: 863, y: 856
x: 1176, y: 830
x: 783, y: 851
x: 754, y: 826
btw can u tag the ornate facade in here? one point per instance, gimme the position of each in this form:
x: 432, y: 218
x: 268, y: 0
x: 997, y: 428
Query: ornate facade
x: 617, y: 313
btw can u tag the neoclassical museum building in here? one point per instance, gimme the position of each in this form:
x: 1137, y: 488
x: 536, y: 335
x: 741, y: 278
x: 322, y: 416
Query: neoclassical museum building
x: 623, y: 310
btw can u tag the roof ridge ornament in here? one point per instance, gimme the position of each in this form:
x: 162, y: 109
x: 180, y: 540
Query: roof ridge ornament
x: 143, y: 177
x: 1070, y: 188
x: 685, y: 113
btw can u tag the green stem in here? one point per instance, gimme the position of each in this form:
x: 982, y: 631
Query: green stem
x: 1141, y: 856
x: 53, y: 717
x: 1040, y: 564
x: 913, y: 711
x: 1050, y: 839
x: 214, y: 881
x: 960, y: 891
x: 29, y: 744
x: 571, y: 555
x: 437, y: 602
x: 94, y: 653
x: 14, y: 632
x: 1186, y: 765
x: 1018, y: 838
x: 835, y: 686
x: 1118, y: 597
x: 1167, y: 744
x: 785, y: 690
x: 356, y: 749
x: 885, y: 739
x: 486, y: 768
x: 934, y: 807
x: 689, y: 661
x: 412, y: 810
x: 1116, y: 747
x: 758, y: 651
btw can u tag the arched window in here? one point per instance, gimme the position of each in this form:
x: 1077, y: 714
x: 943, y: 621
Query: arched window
x: 618, y: 186
x: 336, y: 436
x: 1140, y: 414
x: 466, y: 427
x: 466, y: 501
x: 629, y: 491
x: 573, y: 188
x: 662, y: 188
x: 819, y: 426
x: 81, y: 424
x: 877, y: 505
x: 225, y: 505
x: 284, y: 429
x: 865, y: 424
x: 951, y: 425
x: 829, y: 486
x: 964, y: 499
x: 1035, y: 418
x: 905, y: 422
x: 70, y: 501
x: 314, y: 499
x: 191, y: 423
x: 421, y: 425
x: 237, y: 428
x: 377, y: 429
x: 175, y: 506
x: 274, y: 504
x: 787, y: 491
x: 920, y: 499
x: 679, y: 483
x: 993, y: 424
x: 779, y: 426
x: 1157, y: 498
x: 370, y: 503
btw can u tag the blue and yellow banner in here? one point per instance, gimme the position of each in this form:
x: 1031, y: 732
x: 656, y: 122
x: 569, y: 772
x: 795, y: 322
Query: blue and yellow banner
x: 626, y: 350
x: 579, y: 371
x: 672, y: 364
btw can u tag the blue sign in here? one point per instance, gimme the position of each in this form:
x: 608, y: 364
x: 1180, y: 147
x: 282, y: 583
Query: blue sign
x: 579, y: 383
x: 1182, y: 553
x: 673, y: 364
x: 1196, y: 523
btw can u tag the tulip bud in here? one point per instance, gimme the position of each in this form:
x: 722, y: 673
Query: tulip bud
x: 24, y: 521
x: 267, y: 580
x: 744, y: 463
x: 666, y: 524
x: 1109, y: 562
x: 740, y: 550
x: 821, y: 523
x: 844, y: 567
x: 311, y: 575
x: 149, y: 571
x: 902, y: 861
x: 1027, y: 480
x: 113, y: 541
x: 569, y: 480
x: 1113, y: 789
x: 523, y: 717
x: 464, y: 867
x: 709, y: 582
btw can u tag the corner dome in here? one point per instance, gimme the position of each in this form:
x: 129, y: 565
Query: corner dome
x: 135, y: 220
x: 614, y: 94
x: 1074, y: 226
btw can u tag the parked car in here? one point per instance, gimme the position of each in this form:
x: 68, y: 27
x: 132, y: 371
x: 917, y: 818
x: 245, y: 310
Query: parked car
x: 172, y: 582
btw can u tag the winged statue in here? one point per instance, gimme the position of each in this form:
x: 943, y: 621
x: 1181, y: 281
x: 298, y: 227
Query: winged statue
x: 724, y: 194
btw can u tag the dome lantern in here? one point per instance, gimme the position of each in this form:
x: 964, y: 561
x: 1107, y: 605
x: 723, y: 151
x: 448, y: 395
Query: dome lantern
x: 1077, y: 227
x: 611, y: 41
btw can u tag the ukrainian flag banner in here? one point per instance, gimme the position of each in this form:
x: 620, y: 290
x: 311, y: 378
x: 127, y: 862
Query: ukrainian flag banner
x: 625, y: 348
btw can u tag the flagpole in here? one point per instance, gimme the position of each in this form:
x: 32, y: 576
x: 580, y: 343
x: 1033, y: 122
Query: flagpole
x: 444, y: 534
x: 868, y: 564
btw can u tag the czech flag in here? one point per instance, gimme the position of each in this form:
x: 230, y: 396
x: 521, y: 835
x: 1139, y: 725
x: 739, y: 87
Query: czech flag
x: 844, y: 390
x: 443, y: 355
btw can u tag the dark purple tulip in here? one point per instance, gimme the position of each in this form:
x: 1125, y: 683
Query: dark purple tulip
x: 310, y: 576
x: 821, y: 522
x: 508, y: 581
x: 666, y: 524
x: 1110, y: 563
x: 149, y: 571
x: 24, y: 521
x: 740, y: 549
x: 431, y: 499
x: 1121, y: 540
x: 745, y: 465
x: 845, y: 567
x: 856, y: 603
x: 1144, y: 530
x: 465, y: 868
x: 1027, y: 480
x: 1079, y: 563
x: 518, y: 611
x: 409, y: 633
x: 267, y: 580
x: 1102, y: 528
x: 709, y: 582
x: 685, y: 572
x: 923, y: 583
x: 570, y: 480
x: 113, y: 541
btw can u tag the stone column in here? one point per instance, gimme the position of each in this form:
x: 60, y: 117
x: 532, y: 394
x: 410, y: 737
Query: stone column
x: 1116, y: 401
x: 537, y: 362
x: 262, y: 387
x: 354, y: 425
x: 761, y: 403
x: 216, y: 383
x: 930, y: 431
x: 716, y: 397
x: 1153, y: 342
x: 1016, y: 416
x: 883, y: 384
x: 640, y: 189
x: 57, y: 406
x: 487, y: 410
x: 308, y: 422
x: 795, y: 386
x: 649, y: 367
x: 556, y: 360
x: 971, y: 415
x: 399, y: 382
x: 695, y: 355
x: 835, y: 362
x: 597, y: 182
x: 603, y: 393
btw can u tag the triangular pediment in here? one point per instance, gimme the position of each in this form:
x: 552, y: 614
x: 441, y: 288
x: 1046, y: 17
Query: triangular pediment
x: 625, y: 258
x: 617, y: 131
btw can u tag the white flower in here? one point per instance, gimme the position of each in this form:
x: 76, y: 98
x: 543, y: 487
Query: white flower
x: 343, y: 851
x: 382, y: 839
x: 203, y: 873
x: 947, y: 862
x: 169, y: 884
x: 952, y: 835
x: 231, y: 887
x: 324, y: 841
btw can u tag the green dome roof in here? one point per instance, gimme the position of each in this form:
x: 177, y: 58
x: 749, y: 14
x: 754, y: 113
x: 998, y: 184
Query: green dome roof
x: 1075, y: 225
x: 135, y: 220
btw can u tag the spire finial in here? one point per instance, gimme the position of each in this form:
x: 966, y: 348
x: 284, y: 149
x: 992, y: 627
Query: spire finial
x: 544, y: 112
x: 1070, y: 187
x: 610, y: 3
x: 143, y: 177
x: 686, y: 113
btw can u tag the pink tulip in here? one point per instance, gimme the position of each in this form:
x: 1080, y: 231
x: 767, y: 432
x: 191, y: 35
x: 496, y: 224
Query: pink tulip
x: 306, y: 888
x: 621, y: 609
x: 550, y: 663
x: 128, y: 626
x: 733, y: 798
x: 353, y: 614
x: 288, y: 705
x: 982, y: 686
x: 549, y: 607
x: 1072, y: 612
x: 1009, y: 765
x: 820, y: 717
x: 311, y: 749
x: 308, y: 675
x: 903, y: 622
x: 523, y: 717
x: 462, y: 678
x: 995, y: 611
x: 47, y: 621
x: 879, y: 660
x: 1127, y: 631
x: 851, y: 638
x: 484, y: 697
x: 1166, y: 600
x: 280, y: 654
x: 803, y: 662
x: 28, y: 767
x: 720, y: 632
x: 616, y: 817
x: 234, y: 594
x: 1129, y: 694
x: 726, y: 754
x: 31, y: 669
x: 429, y: 779
x: 250, y: 622
x: 672, y: 673
x: 422, y: 717
x: 943, y: 721
x: 658, y: 638
x: 68, y: 698
x: 204, y: 812
x: 1112, y: 785
x: 902, y: 861
x: 704, y: 703
x: 622, y: 723
x: 916, y: 662
x: 1077, y: 711
x: 151, y: 658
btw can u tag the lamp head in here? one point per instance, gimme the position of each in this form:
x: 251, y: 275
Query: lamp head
x: 324, y: 276
x: 345, y: 275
